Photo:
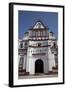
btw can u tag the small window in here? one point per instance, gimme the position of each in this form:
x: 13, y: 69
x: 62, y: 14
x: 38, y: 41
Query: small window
x: 21, y: 45
x: 39, y: 44
x: 54, y: 44
x: 25, y: 44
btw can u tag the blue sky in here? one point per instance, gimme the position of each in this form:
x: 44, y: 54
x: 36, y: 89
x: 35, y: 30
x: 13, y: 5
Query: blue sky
x: 27, y: 19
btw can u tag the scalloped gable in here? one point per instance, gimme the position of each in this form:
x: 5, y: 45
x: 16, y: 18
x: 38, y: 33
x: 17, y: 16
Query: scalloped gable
x: 38, y: 25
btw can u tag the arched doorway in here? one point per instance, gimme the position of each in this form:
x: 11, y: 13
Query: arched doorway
x: 39, y: 66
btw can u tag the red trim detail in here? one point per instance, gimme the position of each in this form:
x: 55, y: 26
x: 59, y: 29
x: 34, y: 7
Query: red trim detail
x: 38, y: 36
x: 40, y: 39
x: 39, y: 46
x: 39, y: 29
x: 39, y: 54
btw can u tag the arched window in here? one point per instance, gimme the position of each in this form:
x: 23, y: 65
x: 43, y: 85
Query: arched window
x: 41, y: 33
x: 46, y: 33
x: 54, y: 44
x: 36, y: 33
x: 39, y: 25
x: 21, y: 62
x: 25, y: 44
x: 21, y: 45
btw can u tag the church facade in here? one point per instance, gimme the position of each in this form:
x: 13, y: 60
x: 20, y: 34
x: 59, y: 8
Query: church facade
x: 38, y: 51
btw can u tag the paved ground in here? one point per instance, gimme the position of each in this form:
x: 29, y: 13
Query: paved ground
x: 38, y: 76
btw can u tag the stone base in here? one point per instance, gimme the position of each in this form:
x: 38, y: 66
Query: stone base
x: 51, y: 72
x: 55, y: 68
x: 23, y: 73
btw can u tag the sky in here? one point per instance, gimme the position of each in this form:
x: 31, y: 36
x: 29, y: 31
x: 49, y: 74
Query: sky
x: 27, y: 19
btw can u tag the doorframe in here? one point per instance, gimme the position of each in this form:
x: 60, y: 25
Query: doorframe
x: 42, y: 67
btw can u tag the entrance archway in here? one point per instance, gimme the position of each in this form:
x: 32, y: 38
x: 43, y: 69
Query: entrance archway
x: 39, y: 66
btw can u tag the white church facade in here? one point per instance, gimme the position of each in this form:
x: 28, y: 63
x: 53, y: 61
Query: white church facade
x: 38, y: 51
